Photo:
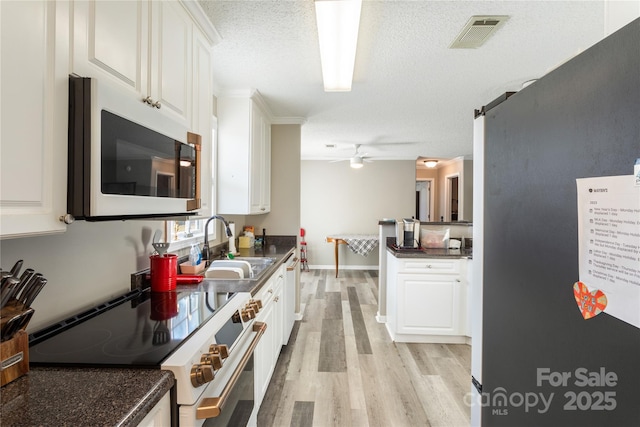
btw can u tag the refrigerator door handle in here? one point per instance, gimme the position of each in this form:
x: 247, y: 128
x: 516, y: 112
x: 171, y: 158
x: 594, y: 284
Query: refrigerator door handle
x: 476, y: 384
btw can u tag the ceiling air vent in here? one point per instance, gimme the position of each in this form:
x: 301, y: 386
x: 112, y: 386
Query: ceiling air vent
x: 477, y: 31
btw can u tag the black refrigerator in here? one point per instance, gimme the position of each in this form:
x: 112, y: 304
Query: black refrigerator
x: 537, y: 361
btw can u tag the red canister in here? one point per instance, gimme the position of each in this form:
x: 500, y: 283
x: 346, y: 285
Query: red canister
x: 164, y: 269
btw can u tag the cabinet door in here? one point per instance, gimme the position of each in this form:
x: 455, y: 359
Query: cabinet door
x: 202, y: 119
x: 110, y: 40
x: 33, y: 117
x: 278, y: 320
x: 430, y: 304
x: 265, y: 188
x: 256, y: 160
x: 263, y: 359
x: 159, y: 415
x: 171, y: 56
x: 289, y: 296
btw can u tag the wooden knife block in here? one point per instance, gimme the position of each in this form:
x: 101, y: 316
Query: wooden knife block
x: 14, y: 354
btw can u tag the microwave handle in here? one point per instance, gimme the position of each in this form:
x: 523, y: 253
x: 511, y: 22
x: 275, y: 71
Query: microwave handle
x: 196, y: 141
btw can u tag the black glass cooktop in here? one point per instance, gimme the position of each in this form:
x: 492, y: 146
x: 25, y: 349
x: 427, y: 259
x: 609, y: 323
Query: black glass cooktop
x: 140, y: 329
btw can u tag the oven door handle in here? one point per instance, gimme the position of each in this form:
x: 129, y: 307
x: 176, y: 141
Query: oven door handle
x: 210, y: 407
x: 293, y: 264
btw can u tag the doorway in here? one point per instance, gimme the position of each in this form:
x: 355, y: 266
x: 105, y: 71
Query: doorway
x: 452, y: 199
x: 425, y: 200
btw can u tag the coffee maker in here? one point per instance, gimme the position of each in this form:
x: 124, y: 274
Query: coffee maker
x: 408, y: 233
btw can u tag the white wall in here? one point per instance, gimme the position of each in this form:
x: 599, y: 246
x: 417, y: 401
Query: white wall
x: 284, y: 218
x: 338, y: 199
x: 90, y: 263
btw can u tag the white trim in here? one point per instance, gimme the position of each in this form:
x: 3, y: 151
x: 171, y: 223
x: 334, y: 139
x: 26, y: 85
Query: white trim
x: 344, y: 267
x: 381, y: 319
x: 447, y: 196
x: 288, y: 120
x: 202, y: 21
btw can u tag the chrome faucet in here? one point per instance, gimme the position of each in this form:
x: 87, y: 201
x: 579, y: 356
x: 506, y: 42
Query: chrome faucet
x: 205, y: 247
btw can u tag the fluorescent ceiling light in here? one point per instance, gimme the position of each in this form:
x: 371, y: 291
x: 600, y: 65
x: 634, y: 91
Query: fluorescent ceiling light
x: 338, y: 22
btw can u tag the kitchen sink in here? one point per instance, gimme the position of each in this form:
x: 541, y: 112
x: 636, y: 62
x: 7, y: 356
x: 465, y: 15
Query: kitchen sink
x: 239, y: 268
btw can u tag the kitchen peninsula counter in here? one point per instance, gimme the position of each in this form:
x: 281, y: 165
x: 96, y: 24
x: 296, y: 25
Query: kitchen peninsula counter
x: 462, y: 253
x: 83, y: 396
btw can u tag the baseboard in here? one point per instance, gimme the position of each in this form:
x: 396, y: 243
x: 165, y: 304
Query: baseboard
x: 344, y: 267
x: 381, y: 319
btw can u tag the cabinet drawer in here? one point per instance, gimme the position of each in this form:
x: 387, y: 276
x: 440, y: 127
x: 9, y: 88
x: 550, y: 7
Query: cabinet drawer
x: 429, y: 266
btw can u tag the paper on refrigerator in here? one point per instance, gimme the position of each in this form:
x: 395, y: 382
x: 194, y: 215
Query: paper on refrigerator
x: 609, y: 242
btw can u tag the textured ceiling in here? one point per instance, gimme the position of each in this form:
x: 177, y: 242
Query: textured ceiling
x: 411, y: 94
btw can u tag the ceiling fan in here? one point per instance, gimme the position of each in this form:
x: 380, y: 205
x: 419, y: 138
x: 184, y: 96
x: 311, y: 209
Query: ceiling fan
x: 357, y: 160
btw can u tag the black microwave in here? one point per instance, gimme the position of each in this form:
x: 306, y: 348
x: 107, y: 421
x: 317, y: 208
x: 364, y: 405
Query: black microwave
x: 125, y: 159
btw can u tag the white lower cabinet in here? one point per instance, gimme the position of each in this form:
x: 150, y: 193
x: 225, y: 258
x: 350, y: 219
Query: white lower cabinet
x: 268, y: 350
x: 159, y: 415
x: 426, y: 299
x: 430, y: 302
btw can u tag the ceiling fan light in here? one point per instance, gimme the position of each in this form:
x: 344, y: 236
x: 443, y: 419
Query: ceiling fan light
x: 430, y: 163
x: 338, y: 22
x: 356, y: 162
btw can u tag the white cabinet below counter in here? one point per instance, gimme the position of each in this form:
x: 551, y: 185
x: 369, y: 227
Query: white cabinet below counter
x: 426, y: 299
x: 268, y: 350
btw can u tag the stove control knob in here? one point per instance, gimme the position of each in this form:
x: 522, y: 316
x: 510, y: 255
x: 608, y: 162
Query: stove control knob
x: 212, y: 359
x: 247, y: 314
x: 221, y: 349
x: 201, y: 374
x: 254, y: 305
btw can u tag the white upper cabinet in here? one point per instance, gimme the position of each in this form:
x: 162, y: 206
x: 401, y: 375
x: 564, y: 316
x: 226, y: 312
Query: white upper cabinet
x: 158, y: 50
x: 260, y: 162
x: 33, y: 117
x: 244, y: 156
x: 203, y: 117
x: 145, y: 46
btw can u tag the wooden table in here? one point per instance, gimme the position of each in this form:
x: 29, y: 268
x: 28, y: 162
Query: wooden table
x: 361, y: 244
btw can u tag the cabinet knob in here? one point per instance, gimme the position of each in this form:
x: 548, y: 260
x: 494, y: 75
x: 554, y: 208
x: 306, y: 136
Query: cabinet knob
x: 157, y: 105
x: 147, y: 100
x: 67, y: 218
x: 276, y: 299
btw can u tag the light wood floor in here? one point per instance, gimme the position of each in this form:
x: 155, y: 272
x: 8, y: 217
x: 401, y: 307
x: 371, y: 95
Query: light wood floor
x: 340, y: 367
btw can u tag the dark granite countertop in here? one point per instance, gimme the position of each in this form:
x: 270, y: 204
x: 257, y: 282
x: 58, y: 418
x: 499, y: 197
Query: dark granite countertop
x: 280, y: 252
x: 83, y: 396
x: 430, y: 253
x: 110, y: 396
